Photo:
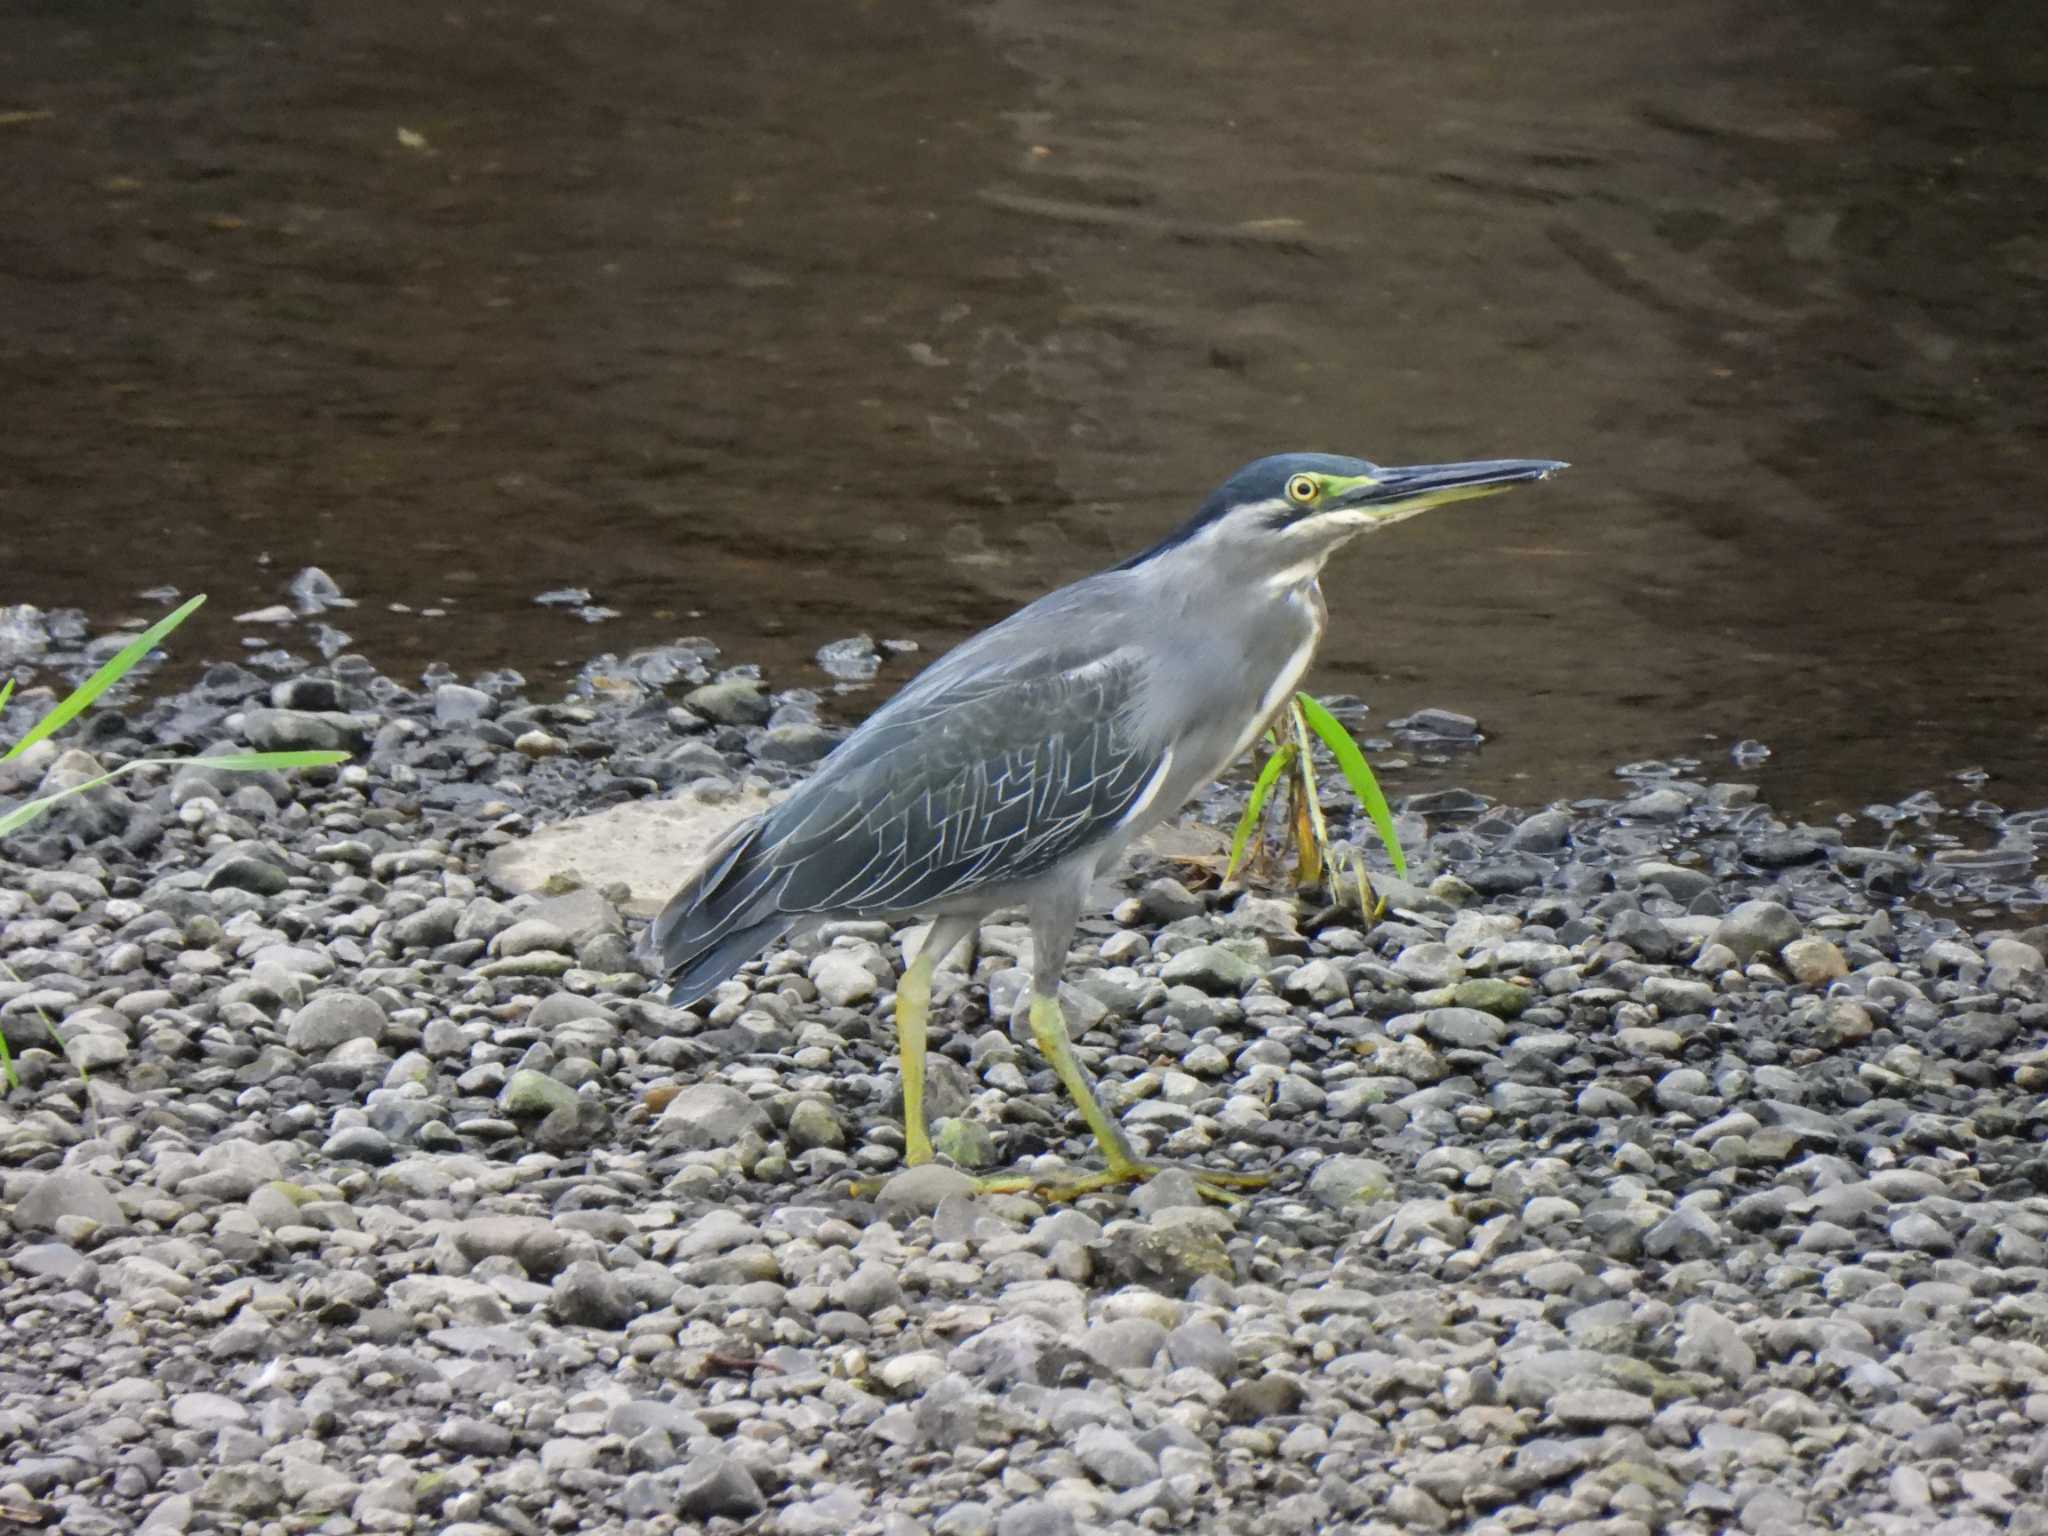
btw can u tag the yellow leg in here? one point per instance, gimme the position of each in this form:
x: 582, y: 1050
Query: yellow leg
x: 1049, y: 1029
x: 913, y: 1008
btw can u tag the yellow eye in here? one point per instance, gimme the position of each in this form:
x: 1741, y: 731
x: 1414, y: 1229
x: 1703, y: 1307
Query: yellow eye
x: 1302, y: 490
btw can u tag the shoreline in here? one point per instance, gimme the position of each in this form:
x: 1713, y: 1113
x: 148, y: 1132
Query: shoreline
x: 1611, y: 1201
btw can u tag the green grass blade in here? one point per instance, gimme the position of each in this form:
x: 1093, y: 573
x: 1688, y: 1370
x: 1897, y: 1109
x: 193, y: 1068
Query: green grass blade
x: 1358, y: 774
x: 256, y: 762
x: 1311, y: 837
x: 1308, y: 782
x: 25, y: 813
x: 6, y: 692
x: 22, y: 815
x: 1262, y: 787
x: 102, y: 680
x: 8, y: 1075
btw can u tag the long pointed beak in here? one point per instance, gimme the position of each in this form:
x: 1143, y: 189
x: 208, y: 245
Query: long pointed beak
x: 1389, y: 495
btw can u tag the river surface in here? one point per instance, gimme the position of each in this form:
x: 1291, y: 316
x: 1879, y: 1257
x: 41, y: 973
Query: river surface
x: 781, y: 323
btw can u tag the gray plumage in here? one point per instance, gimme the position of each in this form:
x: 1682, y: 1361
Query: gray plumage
x: 1020, y: 765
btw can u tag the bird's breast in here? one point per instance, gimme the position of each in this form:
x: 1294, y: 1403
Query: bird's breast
x: 1288, y: 650
x: 1235, y: 678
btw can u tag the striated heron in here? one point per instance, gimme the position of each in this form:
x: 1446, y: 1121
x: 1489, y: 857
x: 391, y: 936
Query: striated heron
x: 1017, y: 768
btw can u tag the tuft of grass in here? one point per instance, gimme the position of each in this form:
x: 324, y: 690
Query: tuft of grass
x: 1294, y: 759
x: 8, y: 1076
x: 1357, y: 773
x: 81, y: 698
x: 117, y: 667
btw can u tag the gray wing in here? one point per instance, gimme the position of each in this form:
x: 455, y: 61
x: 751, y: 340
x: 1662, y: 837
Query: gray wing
x: 969, y: 778
x: 954, y: 794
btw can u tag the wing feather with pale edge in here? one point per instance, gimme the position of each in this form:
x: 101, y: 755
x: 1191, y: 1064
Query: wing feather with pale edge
x: 955, y: 785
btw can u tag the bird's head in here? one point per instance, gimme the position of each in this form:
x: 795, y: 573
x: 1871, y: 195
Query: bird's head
x: 1289, y: 512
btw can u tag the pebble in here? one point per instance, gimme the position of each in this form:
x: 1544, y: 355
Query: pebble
x: 712, y: 1115
x: 1596, y: 1407
x: 842, y: 979
x: 1114, y: 1458
x: 1648, y: 1168
x: 1343, y: 1182
x: 732, y: 702
x: 1814, y: 962
x: 1210, y: 968
x: 922, y: 1189
x: 1757, y: 929
x: 331, y: 1018
x: 62, y: 1196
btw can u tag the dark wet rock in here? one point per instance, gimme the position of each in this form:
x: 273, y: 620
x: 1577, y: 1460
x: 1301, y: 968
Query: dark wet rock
x: 1781, y: 850
x: 1545, y: 832
x: 245, y: 870
x: 735, y: 702
x: 1446, y: 724
x: 1502, y: 876
x: 291, y: 730
x: 1645, y: 935
x: 1166, y: 900
x: 359, y: 1144
x: 1212, y: 968
x: 714, y: 1486
x: 1678, y: 882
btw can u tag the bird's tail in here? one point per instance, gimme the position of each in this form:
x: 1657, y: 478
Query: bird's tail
x: 718, y: 921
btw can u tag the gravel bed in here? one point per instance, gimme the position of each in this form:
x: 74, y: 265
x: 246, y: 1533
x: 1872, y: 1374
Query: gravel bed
x: 1657, y: 1166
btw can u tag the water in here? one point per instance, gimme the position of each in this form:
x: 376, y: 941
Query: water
x: 787, y: 324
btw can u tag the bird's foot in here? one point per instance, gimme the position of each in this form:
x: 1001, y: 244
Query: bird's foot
x: 1222, y: 1186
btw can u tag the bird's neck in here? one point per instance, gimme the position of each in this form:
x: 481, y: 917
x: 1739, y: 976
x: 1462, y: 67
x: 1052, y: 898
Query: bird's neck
x: 1300, y: 576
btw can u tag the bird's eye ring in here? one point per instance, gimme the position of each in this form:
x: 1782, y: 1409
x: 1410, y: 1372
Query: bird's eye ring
x: 1301, y: 489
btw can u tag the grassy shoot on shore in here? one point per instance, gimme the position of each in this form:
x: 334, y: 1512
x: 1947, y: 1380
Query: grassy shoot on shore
x: 1310, y: 833
x: 81, y: 698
